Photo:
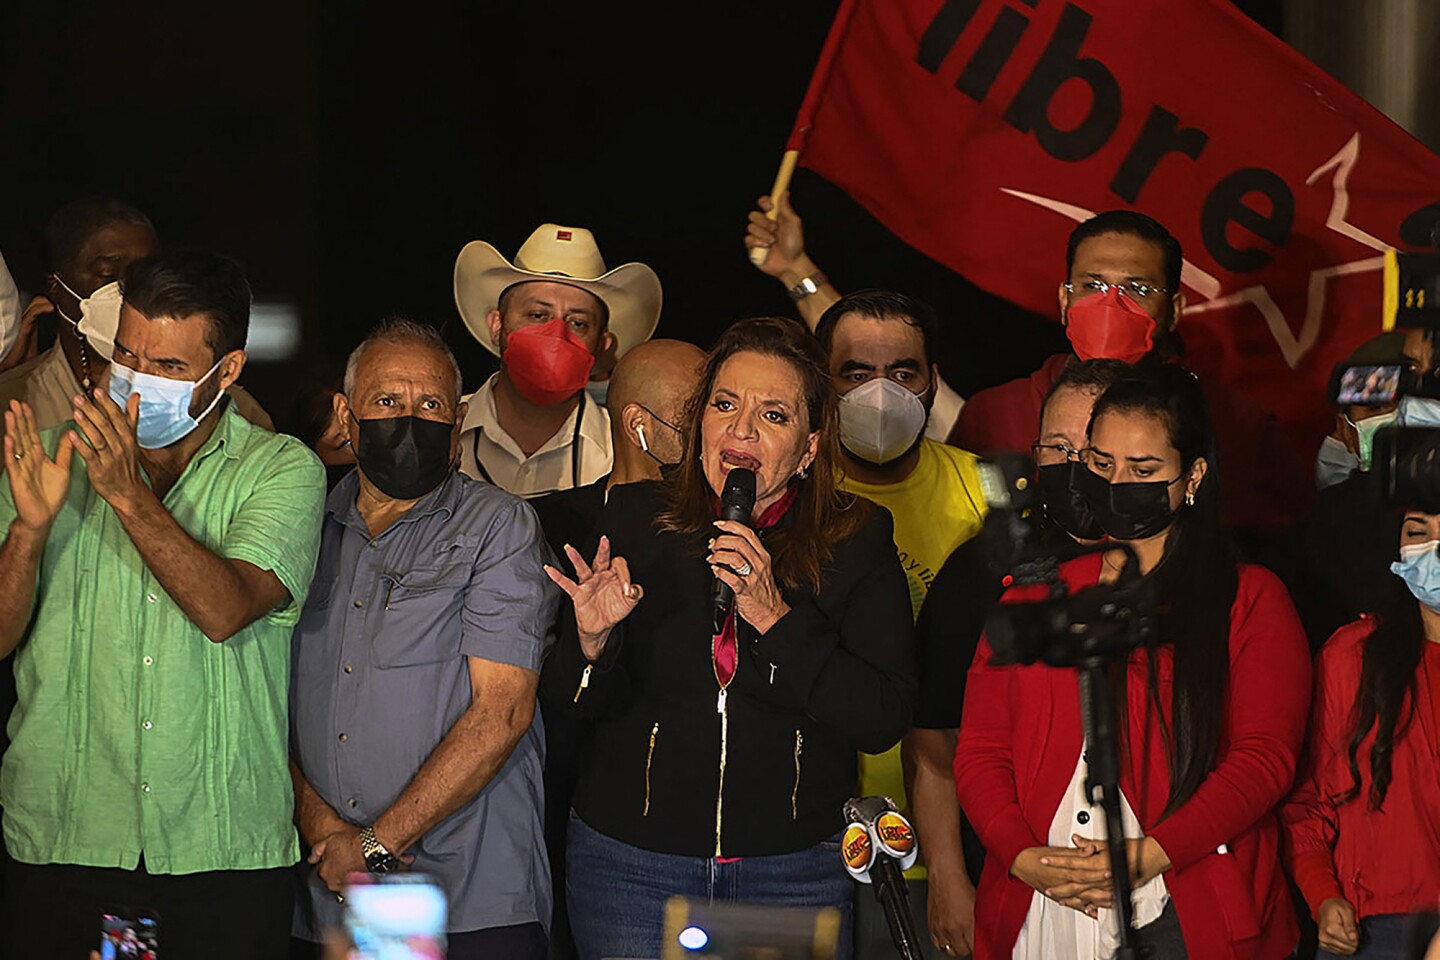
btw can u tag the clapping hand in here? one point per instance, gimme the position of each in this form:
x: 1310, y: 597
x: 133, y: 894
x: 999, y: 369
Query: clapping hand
x: 109, y: 448
x: 38, y: 482
x: 602, y: 593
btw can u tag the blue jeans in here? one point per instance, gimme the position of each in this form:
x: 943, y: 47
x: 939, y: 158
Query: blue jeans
x: 617, y: 892
x: 1382, y: 937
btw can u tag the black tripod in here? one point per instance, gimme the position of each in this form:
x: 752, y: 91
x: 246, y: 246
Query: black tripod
x: 1102, y: 786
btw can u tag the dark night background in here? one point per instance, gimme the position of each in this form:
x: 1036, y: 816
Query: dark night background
x: 345, y: 154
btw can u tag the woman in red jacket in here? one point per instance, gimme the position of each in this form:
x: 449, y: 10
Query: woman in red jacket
x: 1212, y: 718
x: 1362, y: 828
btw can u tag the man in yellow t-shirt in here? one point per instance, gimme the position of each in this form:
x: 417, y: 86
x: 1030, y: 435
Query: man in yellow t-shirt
x: 880, y: 347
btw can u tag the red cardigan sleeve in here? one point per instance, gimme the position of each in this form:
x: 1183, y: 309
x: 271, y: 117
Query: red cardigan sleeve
x: 984, y: 764
x: 1267, y: 706
x: 1308, y: 817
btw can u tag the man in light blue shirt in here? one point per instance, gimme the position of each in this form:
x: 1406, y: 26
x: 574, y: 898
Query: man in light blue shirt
x: 416, y: 743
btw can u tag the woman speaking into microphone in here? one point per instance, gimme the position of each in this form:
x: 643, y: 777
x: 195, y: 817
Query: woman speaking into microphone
x: 717, y: 762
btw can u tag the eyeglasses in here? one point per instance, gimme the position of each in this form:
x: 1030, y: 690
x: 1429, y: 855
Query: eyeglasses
x: 1062, y: 450
x: 1134, y: 289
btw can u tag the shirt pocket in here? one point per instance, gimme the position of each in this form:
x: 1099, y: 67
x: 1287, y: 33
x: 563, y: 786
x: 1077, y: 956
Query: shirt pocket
x: 422, y: 606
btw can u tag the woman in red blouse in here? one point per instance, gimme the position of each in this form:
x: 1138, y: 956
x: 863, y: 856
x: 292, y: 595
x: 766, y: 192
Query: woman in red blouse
x: 1362, y: 828
x: 1212, y: 717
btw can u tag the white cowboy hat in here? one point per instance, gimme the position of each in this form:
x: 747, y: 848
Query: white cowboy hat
x: 566, y: 255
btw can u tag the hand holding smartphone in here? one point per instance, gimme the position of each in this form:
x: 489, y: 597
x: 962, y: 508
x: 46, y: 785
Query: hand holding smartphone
x: 396, y: 917
x: 125, y: 937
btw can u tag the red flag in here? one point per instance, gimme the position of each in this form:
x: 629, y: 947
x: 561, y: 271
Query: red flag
x: 981, y: 131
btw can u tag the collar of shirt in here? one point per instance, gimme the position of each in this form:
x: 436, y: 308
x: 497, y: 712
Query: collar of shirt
x: 549, y: 468
x: 341, y: 504
x: 481, y: 415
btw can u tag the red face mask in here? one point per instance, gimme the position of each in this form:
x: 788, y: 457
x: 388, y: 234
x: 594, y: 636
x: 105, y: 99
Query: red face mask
x: 546, y: 362
x: 1109, y: 326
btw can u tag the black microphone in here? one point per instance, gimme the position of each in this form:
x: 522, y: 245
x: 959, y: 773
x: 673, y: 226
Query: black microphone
x: 878, y: 847
x: 736, y: 504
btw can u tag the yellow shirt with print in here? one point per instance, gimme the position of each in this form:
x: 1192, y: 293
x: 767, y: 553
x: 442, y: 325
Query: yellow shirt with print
x: 937, y: 508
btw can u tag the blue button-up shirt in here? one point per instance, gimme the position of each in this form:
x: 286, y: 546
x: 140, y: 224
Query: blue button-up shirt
x: 380, y: 677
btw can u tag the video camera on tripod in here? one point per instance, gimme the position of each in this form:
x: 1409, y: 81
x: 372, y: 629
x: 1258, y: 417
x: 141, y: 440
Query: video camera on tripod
x: 1086, y: 629
x: 1406, y: 458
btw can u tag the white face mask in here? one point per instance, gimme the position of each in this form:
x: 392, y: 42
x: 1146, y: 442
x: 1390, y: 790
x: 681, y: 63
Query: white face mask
x: 1334, y: 463
x: 1418, y: 412
x: 99, y: 316
x: 880, y: 420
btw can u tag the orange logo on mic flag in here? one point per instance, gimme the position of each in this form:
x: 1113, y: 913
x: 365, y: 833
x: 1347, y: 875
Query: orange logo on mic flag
x: 895, y: 834
x: 856, y: 848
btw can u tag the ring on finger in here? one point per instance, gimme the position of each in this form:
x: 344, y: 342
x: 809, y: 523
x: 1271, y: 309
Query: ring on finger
x: 744, y: 569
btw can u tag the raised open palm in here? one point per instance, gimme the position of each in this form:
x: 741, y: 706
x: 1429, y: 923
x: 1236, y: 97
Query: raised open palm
x: 602, y: 593
x: 37, y: 483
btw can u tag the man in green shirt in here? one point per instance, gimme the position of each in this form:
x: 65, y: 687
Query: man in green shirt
x: 157, y: 551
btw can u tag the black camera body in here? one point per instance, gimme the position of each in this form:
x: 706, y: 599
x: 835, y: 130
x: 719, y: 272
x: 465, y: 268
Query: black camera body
x: 1098, y: 623
x: 1406, y: 465
x: 1406, y: 459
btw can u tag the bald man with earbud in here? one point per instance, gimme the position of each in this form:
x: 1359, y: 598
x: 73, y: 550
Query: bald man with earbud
x: 649, y: 390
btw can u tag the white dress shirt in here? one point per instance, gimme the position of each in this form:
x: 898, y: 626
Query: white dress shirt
x: 578, y: 454
x: 1052, y: 930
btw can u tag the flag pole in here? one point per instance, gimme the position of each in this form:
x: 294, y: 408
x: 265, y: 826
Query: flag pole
x: 791, y: 156
x: 782, y: 183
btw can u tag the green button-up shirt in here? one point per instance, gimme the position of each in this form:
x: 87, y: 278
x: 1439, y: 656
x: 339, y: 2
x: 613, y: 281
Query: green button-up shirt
x: 135, y: 733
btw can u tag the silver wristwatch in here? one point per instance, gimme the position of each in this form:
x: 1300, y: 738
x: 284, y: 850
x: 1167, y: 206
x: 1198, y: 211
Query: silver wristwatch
x: 807, y: 286
x: 378, y: 860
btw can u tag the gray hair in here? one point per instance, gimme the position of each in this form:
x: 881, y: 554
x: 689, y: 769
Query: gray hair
x: 401, y: 330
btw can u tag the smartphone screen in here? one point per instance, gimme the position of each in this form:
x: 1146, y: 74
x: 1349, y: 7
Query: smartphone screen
x: 400, y: 917
x: 1368, y: 385
x: 129, y: 938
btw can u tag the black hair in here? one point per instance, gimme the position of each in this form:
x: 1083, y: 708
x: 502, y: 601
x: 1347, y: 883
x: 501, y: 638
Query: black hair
x: 883, y: 305
x: 1385, y: 698
x: 1196, y: 580
x: 70, y: 226
x: 1096, y: 375
x: 1130, y: 223
x: 184, y: 283
x: 314, y: 405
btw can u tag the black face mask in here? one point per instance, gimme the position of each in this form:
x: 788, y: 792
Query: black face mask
x: 1127, y: 511
x: 405, y: 457
x: 1066, y: 508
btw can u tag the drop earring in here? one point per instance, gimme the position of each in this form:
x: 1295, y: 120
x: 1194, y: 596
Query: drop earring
x: 1190, y: 498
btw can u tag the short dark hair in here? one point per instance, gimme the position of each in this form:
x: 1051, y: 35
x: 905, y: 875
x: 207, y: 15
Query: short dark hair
x: 882, y: 305
x: 1096, y: 376
x: 70, y: 226
x: 1130, y: 223
x: 186, y: 283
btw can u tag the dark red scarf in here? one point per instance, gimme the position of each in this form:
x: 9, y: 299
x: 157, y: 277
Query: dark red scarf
x: 726, y: 656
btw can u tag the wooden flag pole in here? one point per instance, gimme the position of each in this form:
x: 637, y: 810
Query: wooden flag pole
x: 782, y: 183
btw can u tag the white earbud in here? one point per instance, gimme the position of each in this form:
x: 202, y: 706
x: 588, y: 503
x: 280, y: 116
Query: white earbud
x: 640, y: 429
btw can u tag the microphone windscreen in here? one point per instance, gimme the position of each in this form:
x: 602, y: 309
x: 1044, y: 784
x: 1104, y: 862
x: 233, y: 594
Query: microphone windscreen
x: 738, y: 498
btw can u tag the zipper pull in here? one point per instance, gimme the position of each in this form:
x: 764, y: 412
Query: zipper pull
x: 720, y: 702
x: 584, y: 681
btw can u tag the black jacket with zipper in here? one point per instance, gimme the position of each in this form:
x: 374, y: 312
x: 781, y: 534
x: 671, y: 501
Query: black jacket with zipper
x: 835, y: 676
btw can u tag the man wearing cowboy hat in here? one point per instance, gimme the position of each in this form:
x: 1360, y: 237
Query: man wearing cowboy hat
x: 531, y: 428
